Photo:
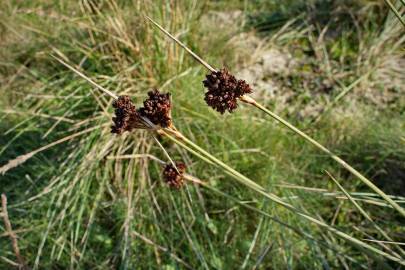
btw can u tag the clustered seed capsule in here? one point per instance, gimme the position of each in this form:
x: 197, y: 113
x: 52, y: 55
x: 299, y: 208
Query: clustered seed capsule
x: 126, y: 117
x: 157, y: 108
x: 174, y: 178
x: 224, y: 90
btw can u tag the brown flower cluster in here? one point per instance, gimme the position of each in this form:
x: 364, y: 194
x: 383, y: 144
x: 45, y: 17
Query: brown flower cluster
x: 127, y: 117
x: 157, y: 108
x: 224, y: 90
x: 174, y: 178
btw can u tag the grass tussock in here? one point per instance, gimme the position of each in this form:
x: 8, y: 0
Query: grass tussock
x: 81, y: 197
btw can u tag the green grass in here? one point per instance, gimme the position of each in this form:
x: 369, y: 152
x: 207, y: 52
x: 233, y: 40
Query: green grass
x: 78, y: 205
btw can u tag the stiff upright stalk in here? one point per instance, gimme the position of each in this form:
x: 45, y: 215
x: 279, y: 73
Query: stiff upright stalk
x: 253, y: 102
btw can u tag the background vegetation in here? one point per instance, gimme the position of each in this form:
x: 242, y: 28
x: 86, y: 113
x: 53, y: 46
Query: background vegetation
x: 98, y: 202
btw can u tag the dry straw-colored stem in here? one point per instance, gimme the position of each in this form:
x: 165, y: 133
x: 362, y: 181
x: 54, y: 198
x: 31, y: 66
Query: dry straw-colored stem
x: 108, y: 92
x: 253, y: 102
x: 196, y: 57
x: 11, y: 233
x: 393, y: 9
x: 23, y: 158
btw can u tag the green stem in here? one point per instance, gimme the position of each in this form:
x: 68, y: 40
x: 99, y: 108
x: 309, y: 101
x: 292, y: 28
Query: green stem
x: 180, y: 139
x: 251, y: 101
x: 367, y: 216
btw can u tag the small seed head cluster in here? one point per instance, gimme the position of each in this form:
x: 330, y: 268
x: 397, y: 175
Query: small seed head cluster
x: 224, y: 90
x: 127, y: 117
x: 174, y: 178
x: 157, y: 108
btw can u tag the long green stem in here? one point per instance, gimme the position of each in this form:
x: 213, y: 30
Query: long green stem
x: 251, y: 101
x: 367, y: 216
x: 180, y: 139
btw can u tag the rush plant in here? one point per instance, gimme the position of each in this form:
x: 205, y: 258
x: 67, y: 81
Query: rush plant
x: 221, y: 84
x: 134, y: 179
x: 173, y: 175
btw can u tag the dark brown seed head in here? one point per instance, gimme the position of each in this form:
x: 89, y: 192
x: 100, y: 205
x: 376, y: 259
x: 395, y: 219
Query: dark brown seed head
x: 126, y: 117
x: 157, y: 108
x: 173, y: 177
x: 224, y: 90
